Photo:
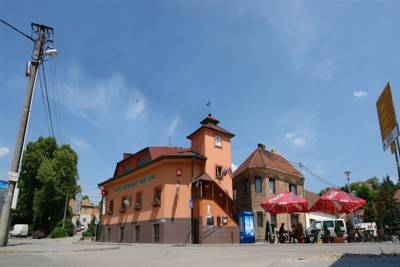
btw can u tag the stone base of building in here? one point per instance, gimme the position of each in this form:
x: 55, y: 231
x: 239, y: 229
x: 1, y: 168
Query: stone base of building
x: 219, y: 235
x: 166, y: 231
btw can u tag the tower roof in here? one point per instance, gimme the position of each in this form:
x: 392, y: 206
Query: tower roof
x: 211, y: 123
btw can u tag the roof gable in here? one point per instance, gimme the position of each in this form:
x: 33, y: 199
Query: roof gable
x: 263, y: 158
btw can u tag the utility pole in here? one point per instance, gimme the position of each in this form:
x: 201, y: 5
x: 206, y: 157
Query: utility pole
x: 5, y: 217
x: 65, y: 208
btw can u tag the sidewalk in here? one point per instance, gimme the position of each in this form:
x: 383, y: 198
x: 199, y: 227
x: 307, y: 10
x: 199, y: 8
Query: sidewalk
x: 46, y: 245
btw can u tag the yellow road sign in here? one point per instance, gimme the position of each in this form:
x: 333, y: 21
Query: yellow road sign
x: 387, y: 117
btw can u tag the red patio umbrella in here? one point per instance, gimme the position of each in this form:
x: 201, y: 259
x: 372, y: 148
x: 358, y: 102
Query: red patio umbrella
x: 285, y: 203
x: 337, y: 201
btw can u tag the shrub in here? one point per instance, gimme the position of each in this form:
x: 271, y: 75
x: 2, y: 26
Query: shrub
x: 87, y: 234
x: 58, y: 232
x: 68, y: 226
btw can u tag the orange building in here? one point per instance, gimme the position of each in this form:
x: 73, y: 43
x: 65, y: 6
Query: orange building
x: 172, y: 194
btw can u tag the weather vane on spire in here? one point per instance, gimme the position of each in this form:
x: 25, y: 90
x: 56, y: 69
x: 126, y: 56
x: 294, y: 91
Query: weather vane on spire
x: 209, y: 107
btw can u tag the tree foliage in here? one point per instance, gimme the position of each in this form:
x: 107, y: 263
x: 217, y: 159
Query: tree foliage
x: 48, y: 172
x: 385, y: 202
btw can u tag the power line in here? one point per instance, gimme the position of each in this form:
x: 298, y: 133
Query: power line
x: 44, y: 104
x: 15, y: 29
x: 318, y: 177
x: 47, y: 97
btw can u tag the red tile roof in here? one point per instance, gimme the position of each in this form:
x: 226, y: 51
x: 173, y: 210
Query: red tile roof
x: 266, y: 159
x: 157, y: 151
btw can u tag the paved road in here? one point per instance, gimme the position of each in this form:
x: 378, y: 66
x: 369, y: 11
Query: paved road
x: 65, y: 252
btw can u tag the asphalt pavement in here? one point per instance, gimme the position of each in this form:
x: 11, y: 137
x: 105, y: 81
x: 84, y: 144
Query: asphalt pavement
x: 69, y: 252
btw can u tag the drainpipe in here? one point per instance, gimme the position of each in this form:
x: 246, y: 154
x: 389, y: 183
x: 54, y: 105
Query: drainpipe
x: 100, y: 214
x: 191, y: 197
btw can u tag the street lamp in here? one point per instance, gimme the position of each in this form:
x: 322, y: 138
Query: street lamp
x: 50, y: 52
x: 347, y: 173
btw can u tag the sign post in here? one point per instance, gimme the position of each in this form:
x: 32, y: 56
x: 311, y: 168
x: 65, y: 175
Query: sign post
x: 388, y: 123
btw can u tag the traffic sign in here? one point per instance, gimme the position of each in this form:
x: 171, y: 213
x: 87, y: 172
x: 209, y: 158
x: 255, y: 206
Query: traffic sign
x: 387, y: 117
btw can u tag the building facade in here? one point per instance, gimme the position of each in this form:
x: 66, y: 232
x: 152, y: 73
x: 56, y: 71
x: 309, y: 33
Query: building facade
x: 87, y: 211
x: 172, y: 194
x: 262, y: 175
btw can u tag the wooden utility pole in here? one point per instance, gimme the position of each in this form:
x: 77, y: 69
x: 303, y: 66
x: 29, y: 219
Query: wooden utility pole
x: 19, y: 145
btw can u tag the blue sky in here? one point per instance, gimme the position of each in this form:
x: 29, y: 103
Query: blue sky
x: 301, y: 77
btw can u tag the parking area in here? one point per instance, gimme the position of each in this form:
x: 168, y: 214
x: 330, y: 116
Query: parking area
x: 68, y: 252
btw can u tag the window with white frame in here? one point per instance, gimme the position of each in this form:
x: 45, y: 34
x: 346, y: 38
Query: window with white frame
x: 218, y: 141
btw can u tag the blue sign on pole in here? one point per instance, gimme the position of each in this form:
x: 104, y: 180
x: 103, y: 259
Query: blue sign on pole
x: 3, y: 184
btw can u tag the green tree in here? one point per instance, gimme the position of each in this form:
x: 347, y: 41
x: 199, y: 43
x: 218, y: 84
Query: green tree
x: 323, y: 191
x: 365, y: 191
x: 386, y: 205
x: 48, y: 172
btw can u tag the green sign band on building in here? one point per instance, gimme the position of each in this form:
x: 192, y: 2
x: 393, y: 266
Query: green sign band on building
x: 135, y: 183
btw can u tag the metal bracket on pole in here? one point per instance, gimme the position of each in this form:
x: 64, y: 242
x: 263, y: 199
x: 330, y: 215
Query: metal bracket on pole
x: 12, y: 176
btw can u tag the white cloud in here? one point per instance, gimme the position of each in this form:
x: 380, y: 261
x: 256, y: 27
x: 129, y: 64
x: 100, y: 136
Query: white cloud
x: 136, y: 107
x: 296, y: 25
x: 172, y: 126
x: 4, y: 151
x: 93, y: 98
x: 302, y: 128
x: 79, y: 142
x: 296, y: 138
x: 360, y: 94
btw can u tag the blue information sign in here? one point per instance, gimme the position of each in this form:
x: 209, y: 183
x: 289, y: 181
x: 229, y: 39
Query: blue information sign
x: 3, y: 184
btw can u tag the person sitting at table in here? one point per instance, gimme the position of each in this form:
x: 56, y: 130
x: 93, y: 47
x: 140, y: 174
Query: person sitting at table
x: 282, y: 234
x: 300, y: 233
x: 293, y: 234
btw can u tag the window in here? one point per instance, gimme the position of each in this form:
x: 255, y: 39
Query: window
x: 83, y: 220
x: 141, y: 161
x: 273, y: 221
x: 138, y: 202
x: 218, y: 171
x: 124, y: 204
x: 137, y: 233
x: 234, y: 194
x: 340, y: 222
x: 318, y: 225
x: 328, y: 224
x: 111, y: 207
x: 156, y: 233
x: 246, y: 186
x: 293, y: 188
x: 218, y: 141
x: 271, y: 184
x: 127, y: 168
x: 258, y: 184
x: 157, y: 197
x: 294, y: 219
x: 260, y: 219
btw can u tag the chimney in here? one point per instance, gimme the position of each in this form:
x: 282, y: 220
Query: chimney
x: 125, y: 155
x: 273, y: 151
x: 262, y: 146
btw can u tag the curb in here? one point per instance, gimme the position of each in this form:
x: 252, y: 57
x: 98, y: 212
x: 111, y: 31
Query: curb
x: 21, y: 251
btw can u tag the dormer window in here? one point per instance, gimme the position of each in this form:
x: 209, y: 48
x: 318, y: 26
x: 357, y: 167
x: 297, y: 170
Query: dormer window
x: 218, y: 141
